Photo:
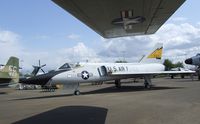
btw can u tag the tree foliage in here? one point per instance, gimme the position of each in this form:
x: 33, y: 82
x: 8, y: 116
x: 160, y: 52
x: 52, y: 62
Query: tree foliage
x: 178, y: 64
x: 169, y: 65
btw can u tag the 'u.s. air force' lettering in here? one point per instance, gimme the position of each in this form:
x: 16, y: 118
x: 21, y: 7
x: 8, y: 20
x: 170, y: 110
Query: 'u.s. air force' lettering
x: 117, y: 68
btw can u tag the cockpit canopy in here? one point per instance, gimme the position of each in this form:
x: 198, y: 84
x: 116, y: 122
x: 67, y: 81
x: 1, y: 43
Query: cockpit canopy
x: 69, y: 66
x: 66, y: 66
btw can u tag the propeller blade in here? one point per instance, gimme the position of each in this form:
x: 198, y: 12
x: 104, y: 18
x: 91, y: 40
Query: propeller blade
x: 43, y: 71
x: 43, y: 65
x: 39, y: 63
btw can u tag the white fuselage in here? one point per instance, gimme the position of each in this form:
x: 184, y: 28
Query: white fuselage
x: 92, y: 72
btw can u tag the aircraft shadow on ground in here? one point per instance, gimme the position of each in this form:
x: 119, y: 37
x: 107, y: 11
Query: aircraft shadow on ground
x: 112, y: 89
x: 128, y: 89
x: 2, y: 93
x: 43, y: 97
x: 69, y: 115
x: 183, y: 79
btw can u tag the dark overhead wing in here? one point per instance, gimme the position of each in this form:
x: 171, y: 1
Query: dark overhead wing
x: 116, y: 18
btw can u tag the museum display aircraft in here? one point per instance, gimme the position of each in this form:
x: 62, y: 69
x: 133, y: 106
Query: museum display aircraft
x: 67, y: 74
x: 9, y: 73
x: 111, y: 18
x: 195, y: 60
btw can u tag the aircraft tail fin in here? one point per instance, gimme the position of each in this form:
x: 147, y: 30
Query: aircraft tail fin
x: 12, y: 68
x: 154, y: 55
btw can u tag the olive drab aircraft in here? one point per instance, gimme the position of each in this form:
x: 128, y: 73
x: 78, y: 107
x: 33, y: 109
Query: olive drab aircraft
x: 9, y: 74
x: 149, y: 66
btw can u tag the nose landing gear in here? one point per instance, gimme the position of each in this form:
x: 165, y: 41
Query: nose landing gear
x: 77, y: 92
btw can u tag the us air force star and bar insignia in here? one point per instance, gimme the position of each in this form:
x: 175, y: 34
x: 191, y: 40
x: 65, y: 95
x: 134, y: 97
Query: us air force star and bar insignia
x: 127, y: 20
x: 85, y: 75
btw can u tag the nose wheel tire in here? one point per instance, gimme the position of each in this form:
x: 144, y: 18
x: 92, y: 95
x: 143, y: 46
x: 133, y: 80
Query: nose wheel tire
x: 147, y: 86
x: 77, y: 92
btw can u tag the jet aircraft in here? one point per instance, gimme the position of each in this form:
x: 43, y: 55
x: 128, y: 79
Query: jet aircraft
x: 98, y: 72
x: 195, y: 60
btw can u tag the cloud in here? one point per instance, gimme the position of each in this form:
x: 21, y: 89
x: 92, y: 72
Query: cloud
x: 80, y: 53
x: 42, y: 37
x: 9, y: 42
x: 54, y: 59
x: 178, y: 39
x: 129, y: 47
x: 73, y: 37
x: 179, y: 19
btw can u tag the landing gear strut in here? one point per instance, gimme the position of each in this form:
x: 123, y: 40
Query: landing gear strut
x: 117, y: 83
x: 198, y: 73
x: 77, y: 92
x: 147, y: 82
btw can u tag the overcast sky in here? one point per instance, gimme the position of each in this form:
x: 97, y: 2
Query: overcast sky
x: 39, y: 29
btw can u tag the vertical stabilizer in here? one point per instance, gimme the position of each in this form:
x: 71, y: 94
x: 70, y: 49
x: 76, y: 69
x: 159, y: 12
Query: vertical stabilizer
x: 11, y: 69
x: 154, y: 56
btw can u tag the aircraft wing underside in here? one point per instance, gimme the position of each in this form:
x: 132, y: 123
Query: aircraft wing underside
x: 116, y: 18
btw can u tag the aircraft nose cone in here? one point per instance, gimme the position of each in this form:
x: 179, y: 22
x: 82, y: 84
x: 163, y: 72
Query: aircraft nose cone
x: 188, y: 61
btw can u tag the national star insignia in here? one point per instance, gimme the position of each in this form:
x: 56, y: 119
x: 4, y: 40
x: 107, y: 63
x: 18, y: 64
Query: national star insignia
x: 85, y: 75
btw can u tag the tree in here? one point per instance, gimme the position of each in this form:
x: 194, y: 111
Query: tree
x: 168, y: 64
x: 178, y: 64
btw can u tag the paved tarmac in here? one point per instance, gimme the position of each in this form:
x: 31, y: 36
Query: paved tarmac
x: 171, y: 101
